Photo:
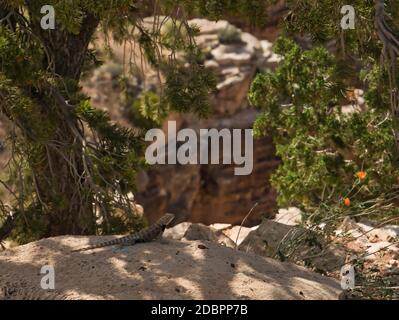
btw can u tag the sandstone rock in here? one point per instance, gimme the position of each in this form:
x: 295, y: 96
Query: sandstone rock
x: 347, y: 225
x: 207, y: 42
x: 238, y: 233
x: 229, y: 83
x: 178, y: 231
x: 231, y: 55
x: 368, y: 236
x: 267, y: 48
x: 198, y: 231
x: 209, y: 27
x: 386, y: 233
x: 252, y: 43
x: 8, y: 244
x: 272, y: 62
x: 291, y: 216
x: 393, y: 263
x: 376, y: 249
x: 212, y: 64
x: 302, y: 246
x: 154, y: 271
x: 171, y: 188
x: 221, y: 226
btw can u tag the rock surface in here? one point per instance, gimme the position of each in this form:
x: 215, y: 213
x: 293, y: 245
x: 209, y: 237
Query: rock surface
x: 159, y: 271
x: 294, y: 243
x: 290, y: 216
x: 198, y: 231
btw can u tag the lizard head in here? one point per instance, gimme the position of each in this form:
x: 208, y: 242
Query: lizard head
x: 167, y: 219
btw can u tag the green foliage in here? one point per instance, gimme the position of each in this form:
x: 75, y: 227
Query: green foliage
x: 254, y: 11
x: 146, y: 111
x: 321, y: 147
x: 334, y: 163
x: 188, y: 88
x: 175, y: 34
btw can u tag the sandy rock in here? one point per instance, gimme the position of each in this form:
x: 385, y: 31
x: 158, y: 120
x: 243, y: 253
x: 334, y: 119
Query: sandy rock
x: 231, y: 81
x: 198, y: 231
x: 178, y: 231
x: 272, y: 62
x: 387, y: 233
x: 291, y: 216
x: 7, y: 245
x: 207, y: 41
x: 369, y: 237
x: 375, y: 249
x: 393, y: 263
x: 267, y: 239
x: 221, y: 226
x: 252, y: 43
x: 240, y: 232
x: 212, y: 64
x: 348, y: 227
x: 267, y: 48
x: 209, y: 27
x: 231, y: 54
x: 175, y: 270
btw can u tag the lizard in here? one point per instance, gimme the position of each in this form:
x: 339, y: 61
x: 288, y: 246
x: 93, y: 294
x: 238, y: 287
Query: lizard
x: 148, y: 234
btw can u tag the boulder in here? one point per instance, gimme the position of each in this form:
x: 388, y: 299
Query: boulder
x: 178, y: 231
x: 291, y: 216
x: 208, y: 27
x: 300, y: 246
x: 172, y: 270
x: 221, y: 226
x: 198, y: 231
x: 239, y: 233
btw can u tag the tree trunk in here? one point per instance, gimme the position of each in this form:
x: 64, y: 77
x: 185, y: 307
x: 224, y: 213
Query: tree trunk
x: 58, y: 171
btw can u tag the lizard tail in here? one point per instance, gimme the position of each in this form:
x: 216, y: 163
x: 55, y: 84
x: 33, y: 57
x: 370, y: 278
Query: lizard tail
x: 100, y: 245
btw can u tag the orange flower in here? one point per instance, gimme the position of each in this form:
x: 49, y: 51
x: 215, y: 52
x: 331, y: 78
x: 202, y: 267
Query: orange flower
x: 361, y: 175
x: 347, y: 202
